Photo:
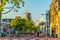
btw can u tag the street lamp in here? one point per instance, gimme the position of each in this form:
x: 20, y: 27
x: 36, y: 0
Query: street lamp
x: 47, y: 22
x: 45, y: 26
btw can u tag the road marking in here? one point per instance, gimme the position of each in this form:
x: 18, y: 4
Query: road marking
x: 42, y: 39
x: 15, y: 39
x: 5, y: 39
x: 32, y: 39
x: 22, y: 39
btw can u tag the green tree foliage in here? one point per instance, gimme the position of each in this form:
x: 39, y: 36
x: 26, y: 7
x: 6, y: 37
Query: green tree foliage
x: 22, y: 24
x: 42, y: 23
x: 15, y: 3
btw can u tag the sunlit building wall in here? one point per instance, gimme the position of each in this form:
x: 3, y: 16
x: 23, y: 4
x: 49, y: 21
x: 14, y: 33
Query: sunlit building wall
x: 55, y: 17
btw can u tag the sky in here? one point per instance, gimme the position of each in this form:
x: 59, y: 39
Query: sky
x: 35, y: 7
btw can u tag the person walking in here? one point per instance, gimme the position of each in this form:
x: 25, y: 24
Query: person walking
x: 38, y: 31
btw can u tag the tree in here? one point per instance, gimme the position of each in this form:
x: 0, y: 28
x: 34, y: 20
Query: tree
x: 16, y: 23
x: 15, y: 5
x: 23, y: 24
x: 41, y: 24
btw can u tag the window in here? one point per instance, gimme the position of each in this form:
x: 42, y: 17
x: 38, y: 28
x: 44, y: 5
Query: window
x: 58, y: 4
x: 3, y: 20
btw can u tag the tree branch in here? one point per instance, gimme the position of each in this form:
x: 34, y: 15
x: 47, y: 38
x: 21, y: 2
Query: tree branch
x: 9, y: 10
x: 7, y: 7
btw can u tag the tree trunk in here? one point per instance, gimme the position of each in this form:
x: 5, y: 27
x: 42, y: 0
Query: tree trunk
x: 0, y: 19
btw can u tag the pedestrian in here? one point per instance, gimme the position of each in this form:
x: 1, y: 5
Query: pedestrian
x: 38, y: 31
x: 4, y: 32
x: 8, y: 32
x: 17, y: 33
x: 38, y: 34
x: 53, y: 33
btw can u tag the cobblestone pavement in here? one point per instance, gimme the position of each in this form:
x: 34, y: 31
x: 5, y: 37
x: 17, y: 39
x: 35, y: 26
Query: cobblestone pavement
x: 28, y: 38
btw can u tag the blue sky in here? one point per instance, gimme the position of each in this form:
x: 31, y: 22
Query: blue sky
x: 35, y: 7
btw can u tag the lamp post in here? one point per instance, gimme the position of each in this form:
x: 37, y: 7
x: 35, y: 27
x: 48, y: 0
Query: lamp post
x: 47, y: 21
x: 45, y: 26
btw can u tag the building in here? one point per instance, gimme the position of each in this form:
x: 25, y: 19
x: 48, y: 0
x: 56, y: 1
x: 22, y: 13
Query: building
x: 28, y: 16
x: 47, y: 22
x: 47, y: 19
x: 55, y: 17
x: 5, y: 23
x: 39, y: 21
